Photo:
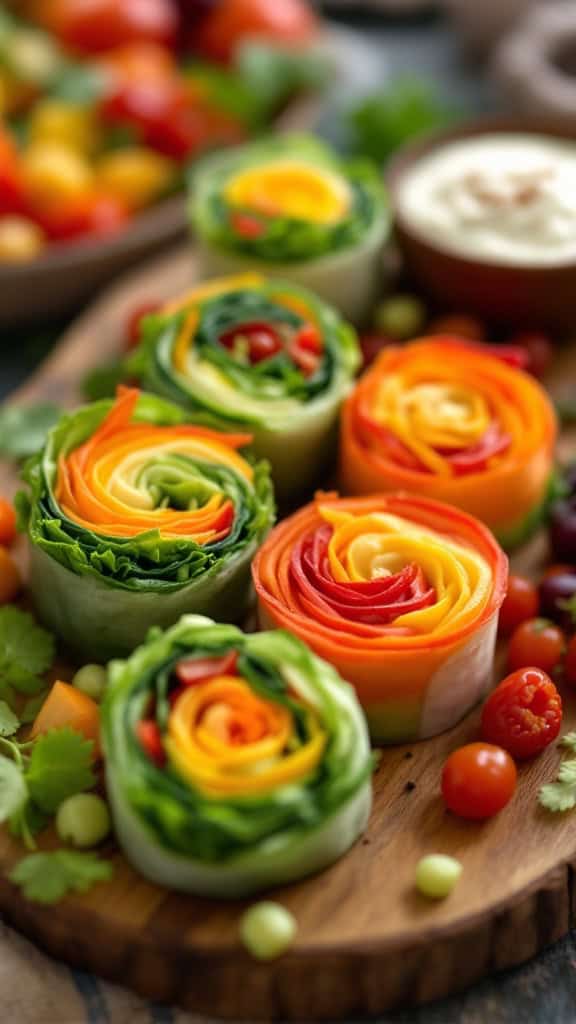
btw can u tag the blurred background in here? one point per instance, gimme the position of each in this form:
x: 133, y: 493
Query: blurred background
x: 105, y: 105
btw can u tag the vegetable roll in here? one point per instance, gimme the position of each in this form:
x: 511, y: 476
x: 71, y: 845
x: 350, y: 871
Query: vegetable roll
x: 450, y: 420
x: 400, y: 593
x: 256, y: 355
x: 134, y: 516
x: 233, y: 762
x: 291, y: 207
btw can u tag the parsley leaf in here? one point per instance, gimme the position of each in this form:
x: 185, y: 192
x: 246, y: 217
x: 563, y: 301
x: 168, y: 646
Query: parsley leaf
x: 384, y: 121
x: 26, y: 651
x: 60, y: 765
x: 9, y: 722
x: 569, y: 740
x: 47, y: 877
x: 13, y: 792
x: 23, y: 428
x: 561, y: 794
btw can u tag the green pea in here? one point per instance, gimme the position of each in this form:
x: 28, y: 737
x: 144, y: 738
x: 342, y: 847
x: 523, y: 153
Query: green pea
x: 437, y: 874
x: 83, y: 820
x: 267, y: 930
x: 400, y: 316
x: 91, y: 679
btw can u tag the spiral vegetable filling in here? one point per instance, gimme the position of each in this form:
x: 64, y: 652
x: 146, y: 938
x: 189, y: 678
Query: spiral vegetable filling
x: 398, y: 592
x: 381, y: 576
x: 146, y: 504
x: 226, y: 745
x: 452, y: 420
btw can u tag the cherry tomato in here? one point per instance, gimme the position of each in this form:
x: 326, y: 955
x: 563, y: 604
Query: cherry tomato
x: 191, y: 671
x: 261, y: 340
x: 570, y: 662
x: 12, y: 191
x: 521, y: 603
x: 159, y: 108
x: 106, y: 215
x: 7, y: 523
x: 246, y: 225
x: 150, y: 740
x: 309, y: 339
x: 92, y: 26
x: 134, y: 322
x: 227, y: 22
x: 539, y: 350
x: 10, y: 579
x: 536, y: 642
x: 523, y: 714
x: 136, y: 61
x: 478, y: 780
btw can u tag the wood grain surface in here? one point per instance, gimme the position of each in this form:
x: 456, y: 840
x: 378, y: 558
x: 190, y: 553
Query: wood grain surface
x: 366, y: 941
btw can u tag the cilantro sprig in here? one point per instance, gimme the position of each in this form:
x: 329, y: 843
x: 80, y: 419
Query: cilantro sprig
x: 47, y: 877
x: 560, y: 795
x: 26, y: 652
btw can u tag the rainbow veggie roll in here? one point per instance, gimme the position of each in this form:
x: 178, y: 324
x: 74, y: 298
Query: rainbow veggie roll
x: 135, y: 517
x: 401, y: 594
x: 256, y: 355
x: 291, y: 207
x: 233, y: 762
x: 450, y: 420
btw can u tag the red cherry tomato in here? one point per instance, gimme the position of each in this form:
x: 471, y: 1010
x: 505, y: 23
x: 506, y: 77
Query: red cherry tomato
x: 150, y: 740
x: 191, y: 671
x: 66, y: 223
x: 246, y: 225
x: 93, y: 26
x: 523, y: 714
x: 536, y: 642
x: 228, y: 22
x: 521, y: 603
x: 539, y: 351
x: 262, y: 340
x: 107, y: 215
x: 309, y: 339
x: 570, y: 662
x: 12, y: 192
x: 7, y: 523
x: 478, y: 780
x: 134, y: 322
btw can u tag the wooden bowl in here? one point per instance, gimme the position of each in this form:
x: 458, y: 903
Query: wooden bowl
x: 534, y: 297
x: 58, y: 282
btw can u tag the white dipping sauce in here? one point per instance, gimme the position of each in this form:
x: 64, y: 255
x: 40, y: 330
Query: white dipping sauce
x: 504, y: 198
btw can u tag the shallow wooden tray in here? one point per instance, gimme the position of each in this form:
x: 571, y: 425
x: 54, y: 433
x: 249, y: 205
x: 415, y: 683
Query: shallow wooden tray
x: 366, y: 940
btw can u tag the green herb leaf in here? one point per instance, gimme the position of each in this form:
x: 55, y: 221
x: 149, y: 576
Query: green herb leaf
x: 383, y: 122
x: 60, y: 765
x: 23, y: 428
x: 47, y: 877
x: 9, y: 722
x: 569, y: 740
x: 273, y: 73
x: 13, y: 792
x: 561, y: 795
x: 26, y: 651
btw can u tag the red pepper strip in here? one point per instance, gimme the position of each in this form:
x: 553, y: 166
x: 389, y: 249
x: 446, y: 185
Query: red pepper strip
x: 373, y: 602
x: 191, y: 671
x: 475, y: 458
x: 150, y: 740
x: 309, y: 339
x: 305, y: 360
x: 247, y: 226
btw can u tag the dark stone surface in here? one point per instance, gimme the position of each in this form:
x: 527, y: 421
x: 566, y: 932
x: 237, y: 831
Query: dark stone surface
x: 543, y: 991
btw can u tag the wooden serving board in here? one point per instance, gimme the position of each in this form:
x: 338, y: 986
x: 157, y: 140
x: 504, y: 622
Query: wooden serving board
x: 366, y: 940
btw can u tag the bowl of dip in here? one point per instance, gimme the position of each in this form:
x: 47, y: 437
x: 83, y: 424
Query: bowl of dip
x: 485, y: 216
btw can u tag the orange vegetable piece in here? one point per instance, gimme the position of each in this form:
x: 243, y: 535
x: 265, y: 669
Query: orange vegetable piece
x: 67, y: 706
x: 10, y: 579
x: 7, y: 522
